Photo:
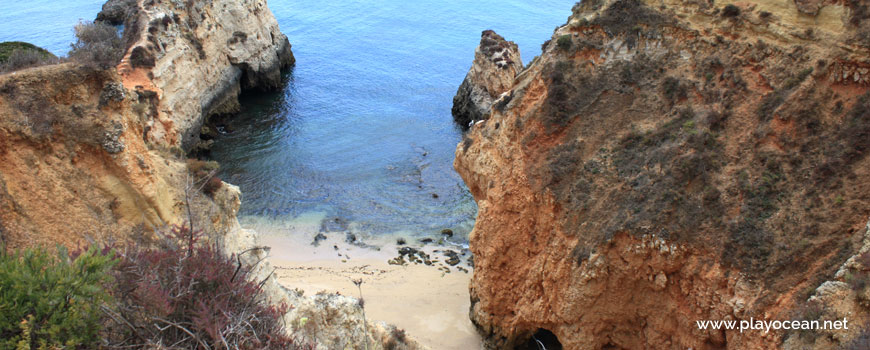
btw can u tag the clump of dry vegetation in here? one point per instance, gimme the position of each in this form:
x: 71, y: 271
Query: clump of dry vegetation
x: 180, y: 292
x: 186, y: 293
x: 97, y: 44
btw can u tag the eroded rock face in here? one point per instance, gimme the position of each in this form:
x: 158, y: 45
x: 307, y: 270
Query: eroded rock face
x: 496, y: 63
x: 99, y: 155
x: 198, y: 56
x: 664, y: 163
x: 74, y: 164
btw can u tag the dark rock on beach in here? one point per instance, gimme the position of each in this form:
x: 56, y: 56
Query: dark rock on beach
x: 452, y: 257
x: 319, y: 237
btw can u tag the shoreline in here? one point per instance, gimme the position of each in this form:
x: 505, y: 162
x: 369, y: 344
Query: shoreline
x: 428, y: 302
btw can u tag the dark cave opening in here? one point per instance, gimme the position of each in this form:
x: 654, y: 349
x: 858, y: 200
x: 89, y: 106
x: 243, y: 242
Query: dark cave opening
x: 542, y: 340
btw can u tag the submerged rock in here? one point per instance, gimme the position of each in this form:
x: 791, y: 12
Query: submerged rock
x: 333, y: 224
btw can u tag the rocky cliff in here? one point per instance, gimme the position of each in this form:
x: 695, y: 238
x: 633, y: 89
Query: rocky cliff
x: 197, y: 56
x: 91, y: 155
x: 496, y: 63
x: 664, y: 162
x: 106, y: 148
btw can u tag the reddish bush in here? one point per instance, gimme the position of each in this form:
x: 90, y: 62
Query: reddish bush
x: 190, y: 296
x: 212, y: 185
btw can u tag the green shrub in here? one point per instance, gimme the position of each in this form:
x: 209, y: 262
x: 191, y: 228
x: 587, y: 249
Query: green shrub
x: 627, y: 16
x: 21, y: 59
x: 8, y: 47
x: 15, y: 55
x: 730, y: 10
x: 564, y: 42
x: 52, y: 300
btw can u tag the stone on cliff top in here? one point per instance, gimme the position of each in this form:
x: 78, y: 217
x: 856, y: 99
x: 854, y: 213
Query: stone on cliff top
x: 496, y: 63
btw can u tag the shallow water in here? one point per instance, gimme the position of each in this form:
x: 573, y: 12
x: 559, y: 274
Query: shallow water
x: 363, y: 131
x: 361, y: 138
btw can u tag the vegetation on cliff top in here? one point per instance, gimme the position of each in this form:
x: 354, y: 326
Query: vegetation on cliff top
x: 9, y: 47
x: 97, y: 45
x: 15, y: 55
x: 180, y: 291
x: 50, y: 301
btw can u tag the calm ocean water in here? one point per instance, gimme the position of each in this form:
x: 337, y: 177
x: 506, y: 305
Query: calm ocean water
x: 363, y: 130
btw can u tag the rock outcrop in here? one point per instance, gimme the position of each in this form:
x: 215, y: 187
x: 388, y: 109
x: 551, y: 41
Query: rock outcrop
x: 667, y: 162
x: 496, y: 63
x: 107, y: 148
x: 198, y: 56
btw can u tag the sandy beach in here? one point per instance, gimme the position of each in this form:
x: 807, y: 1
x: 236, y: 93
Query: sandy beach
x: 428, y: 302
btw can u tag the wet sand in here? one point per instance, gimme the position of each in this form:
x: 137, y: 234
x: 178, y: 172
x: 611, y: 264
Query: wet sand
x: 430, y: 304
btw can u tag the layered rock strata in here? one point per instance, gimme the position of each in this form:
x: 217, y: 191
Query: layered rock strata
x: 106, y: 148
x: 198, y: 56
x: 496, y: 63
x: 668, y: 162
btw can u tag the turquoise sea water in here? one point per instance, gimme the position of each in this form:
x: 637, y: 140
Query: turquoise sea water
x: 362, y: 132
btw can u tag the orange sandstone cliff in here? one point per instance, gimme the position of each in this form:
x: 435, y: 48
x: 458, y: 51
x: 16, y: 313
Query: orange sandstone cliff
x: 97, y: 155
x: 664, y: 162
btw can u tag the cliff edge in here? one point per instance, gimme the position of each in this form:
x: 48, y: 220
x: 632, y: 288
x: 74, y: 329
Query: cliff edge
x: 663, y: 163
x: 106, y: 149
x: 101, y: 156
